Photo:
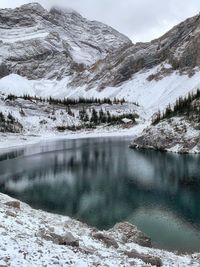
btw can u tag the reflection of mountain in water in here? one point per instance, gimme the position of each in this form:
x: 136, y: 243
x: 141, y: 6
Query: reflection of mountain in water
x: 102, y: 181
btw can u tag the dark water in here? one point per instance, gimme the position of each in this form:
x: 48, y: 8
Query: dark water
x: 102, y: 182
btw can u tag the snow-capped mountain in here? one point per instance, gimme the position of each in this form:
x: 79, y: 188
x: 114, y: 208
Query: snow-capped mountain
x: 61, y: 54
x: 40, y: 44
x: 179, y: 48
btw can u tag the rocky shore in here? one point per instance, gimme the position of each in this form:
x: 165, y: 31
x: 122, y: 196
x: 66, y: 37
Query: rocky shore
x: 173, y: 135
x: 32, y: 237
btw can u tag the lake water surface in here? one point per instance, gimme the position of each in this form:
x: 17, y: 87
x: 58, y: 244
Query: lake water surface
x: 102, y: 182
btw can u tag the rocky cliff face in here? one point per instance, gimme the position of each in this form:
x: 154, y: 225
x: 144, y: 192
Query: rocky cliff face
x: 174, y: 135
x: 37, y: 43
x: 179, y: 47
x: 40, y: 44
x: 176, y: 132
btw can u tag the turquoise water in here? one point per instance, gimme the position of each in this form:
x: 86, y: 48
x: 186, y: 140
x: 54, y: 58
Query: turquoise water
x: 102, y: 182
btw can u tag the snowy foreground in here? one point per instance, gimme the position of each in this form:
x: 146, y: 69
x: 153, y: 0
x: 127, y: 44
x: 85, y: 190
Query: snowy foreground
x: 35, y: 238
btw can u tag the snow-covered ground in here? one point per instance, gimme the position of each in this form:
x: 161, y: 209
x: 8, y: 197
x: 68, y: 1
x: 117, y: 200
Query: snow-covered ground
x: 8, y: 141
x: 40, y: 120
x: 35, y: 238
x: 152, y: 95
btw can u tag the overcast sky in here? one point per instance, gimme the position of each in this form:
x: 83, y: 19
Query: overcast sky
x: 140, y: 20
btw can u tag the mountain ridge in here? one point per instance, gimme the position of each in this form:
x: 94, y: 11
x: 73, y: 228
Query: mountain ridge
x: 90, y: 51
x: 61, y: 54
x: 55, y: 36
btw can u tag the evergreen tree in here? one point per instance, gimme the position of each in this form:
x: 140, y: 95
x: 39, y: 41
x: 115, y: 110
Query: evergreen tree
x: 2, y: 118
x: 94, y: 117
x: 109, y: 119
x: 11, y: 119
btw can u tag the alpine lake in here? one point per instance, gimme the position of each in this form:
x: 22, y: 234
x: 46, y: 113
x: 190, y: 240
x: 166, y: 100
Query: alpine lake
x: 101, y: 182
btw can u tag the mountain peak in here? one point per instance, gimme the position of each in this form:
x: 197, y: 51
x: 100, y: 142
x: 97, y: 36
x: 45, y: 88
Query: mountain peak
x: 34, y: 5
x: 53, y: 44
x: 61, y: 10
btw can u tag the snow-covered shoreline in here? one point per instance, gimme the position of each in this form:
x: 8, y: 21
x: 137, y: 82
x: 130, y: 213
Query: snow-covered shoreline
x: 12, y: 141
x: 32, y: 237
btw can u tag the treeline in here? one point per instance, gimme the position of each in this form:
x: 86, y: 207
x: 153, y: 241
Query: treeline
x: 84, y: 101
x: 96, y: 118
x: 100, y: 117
x: 8, y: 123
x: 183, y: 106
x: 69, y: 101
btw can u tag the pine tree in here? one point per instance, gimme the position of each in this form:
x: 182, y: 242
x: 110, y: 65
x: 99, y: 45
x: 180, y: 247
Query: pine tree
x: 69, y: 111
x: 94, y: 117
x: 109, y: 119
x: 11, y: 119
x: 2, y: 118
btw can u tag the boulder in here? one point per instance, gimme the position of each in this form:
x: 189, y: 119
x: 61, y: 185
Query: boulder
x: 148, y: 259
x: 130, y: 233
x: 65, y: 239
x: 107, y: 240
x: 11, y: 214
x: 14, y: 204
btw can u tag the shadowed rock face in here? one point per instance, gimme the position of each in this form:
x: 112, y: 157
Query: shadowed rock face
x: 178, y: 47
x: 4, y: 71
x: 55, y: 44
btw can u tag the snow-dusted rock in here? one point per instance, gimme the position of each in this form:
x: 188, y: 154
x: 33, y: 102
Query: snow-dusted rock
x: 176, y: 135
x: 37, y: 43
x: 14, y: 204
x: 66, y: 239
x: 106, y: 239
x: 130, y: 233
x: 22, y: 246
x: 155, y: 261
x: 178, y: 47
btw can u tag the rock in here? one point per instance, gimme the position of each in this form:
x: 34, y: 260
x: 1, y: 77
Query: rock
x: 87, y: 250
x: 171, y: 135
x: 130, y: 233
x: 109, y: 241
x: 13, y: 204
x: 19, y: 222
x: 66, y: 239
x: 10, y: 213
x: 148, y: 259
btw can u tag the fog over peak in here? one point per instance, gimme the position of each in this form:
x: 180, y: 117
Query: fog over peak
x: 140, y: 20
